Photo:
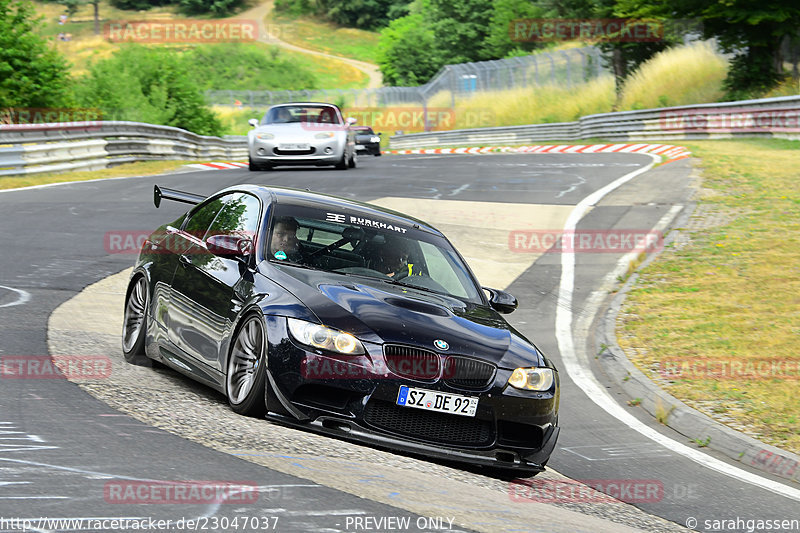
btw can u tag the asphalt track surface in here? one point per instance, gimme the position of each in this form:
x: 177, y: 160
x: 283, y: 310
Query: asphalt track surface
x: 53, y: 246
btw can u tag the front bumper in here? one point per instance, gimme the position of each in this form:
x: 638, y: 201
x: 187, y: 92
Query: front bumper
x: 349, y: 397
x: 326, y: 152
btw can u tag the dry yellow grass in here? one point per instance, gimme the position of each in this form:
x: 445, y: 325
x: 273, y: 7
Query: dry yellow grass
x: 532, y: 105
x: 678, y: 76
x: 732, y: 293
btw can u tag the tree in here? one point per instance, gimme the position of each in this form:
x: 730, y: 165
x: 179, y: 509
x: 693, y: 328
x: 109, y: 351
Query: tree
x: 365, y: 14
x: 407, y: 51
x: 148, y: 85
x: 219, y: 8
x: 498, y: 42
x: 461, y: 27
x: 32, y: 73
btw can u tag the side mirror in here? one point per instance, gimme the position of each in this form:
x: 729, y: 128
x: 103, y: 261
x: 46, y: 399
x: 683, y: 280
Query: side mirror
x: 501, y: 301
x: 351, y: 120
x: 253, y: 122
x: 234, y: 246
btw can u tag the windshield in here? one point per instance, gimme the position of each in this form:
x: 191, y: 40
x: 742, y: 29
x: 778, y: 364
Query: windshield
x: 319, y: 114
x: 370, y: 247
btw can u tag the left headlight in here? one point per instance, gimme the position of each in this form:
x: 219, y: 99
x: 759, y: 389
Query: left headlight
x: 265, y: 136
x: 325, y: 135
x: 323, y: 337
x: 374, y: 139
x: 537, y: 379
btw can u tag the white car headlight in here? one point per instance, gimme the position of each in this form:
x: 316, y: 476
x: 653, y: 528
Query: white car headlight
x: 324, y: 135
x: 374, y: 139
x: 537, y: 379
x: 323, y: 337
x: 265, y: 136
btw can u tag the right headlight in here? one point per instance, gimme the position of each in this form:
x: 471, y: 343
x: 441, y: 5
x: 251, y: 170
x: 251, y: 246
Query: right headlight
x: 536, y: 379
x: 323, y: 337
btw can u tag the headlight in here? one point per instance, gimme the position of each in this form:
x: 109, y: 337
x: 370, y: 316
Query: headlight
x: 538, y: 379
x: 265, y: 136
x: 324, y: 135
x: 374, y: 139
x: 324, y: 337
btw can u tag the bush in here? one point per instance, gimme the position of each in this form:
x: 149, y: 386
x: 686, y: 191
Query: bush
x: 237, y: 66
x: 139, y: 5
x: 407, y: 51
x: 147, y: 85
x: 218, y: 8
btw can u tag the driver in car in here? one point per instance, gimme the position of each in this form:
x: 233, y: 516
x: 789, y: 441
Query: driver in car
x: 284, y: 244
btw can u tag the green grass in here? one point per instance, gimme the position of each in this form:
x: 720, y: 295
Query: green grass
x: 85, y: 47
x: 733, y: 293
x: 325, y: 37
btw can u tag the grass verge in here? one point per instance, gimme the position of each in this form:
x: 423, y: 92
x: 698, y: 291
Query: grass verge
x: 142, y: 168
x: 325, y: 37
x: 726, y: 298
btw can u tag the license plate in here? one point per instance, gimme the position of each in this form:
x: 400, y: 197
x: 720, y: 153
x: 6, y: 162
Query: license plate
x: 360, y: 147
x: 441, y: 402
x: 294, y: 146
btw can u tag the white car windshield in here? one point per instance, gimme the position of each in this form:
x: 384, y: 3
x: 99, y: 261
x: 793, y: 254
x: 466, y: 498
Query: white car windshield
x: 317, y: 114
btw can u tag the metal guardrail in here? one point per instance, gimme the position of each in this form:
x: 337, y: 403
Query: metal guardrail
x: 770, y: 117
x: 36, y: 148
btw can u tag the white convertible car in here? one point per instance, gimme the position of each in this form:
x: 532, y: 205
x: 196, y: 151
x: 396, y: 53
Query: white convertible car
x: 308, y: 133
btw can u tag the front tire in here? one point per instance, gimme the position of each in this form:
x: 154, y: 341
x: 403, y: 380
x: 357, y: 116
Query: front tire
x: 255, y: 166
x: 247, y: 365
x: 134, y: 324
x: 354, y: 159
x: 343, y: 163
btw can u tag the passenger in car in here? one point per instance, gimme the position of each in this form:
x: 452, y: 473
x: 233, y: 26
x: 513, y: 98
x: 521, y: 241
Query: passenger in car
x: 391, y: 257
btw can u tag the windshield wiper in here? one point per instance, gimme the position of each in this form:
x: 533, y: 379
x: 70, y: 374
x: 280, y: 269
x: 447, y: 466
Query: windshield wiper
x: 401, y: 284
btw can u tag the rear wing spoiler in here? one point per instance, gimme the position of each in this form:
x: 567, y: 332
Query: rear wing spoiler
x: 160, y: 193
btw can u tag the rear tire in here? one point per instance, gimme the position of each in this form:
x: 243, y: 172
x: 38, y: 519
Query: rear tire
x: 134, y: 324
x: 353, y: 159
x: 247, y: 365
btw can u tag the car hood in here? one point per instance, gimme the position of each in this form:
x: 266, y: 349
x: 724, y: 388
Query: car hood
x: 380, y: 312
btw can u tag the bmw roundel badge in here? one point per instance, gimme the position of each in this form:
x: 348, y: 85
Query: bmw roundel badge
x: 442, y: 345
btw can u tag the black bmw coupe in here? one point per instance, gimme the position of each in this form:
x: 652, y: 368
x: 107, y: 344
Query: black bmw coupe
x: 344, y: 318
